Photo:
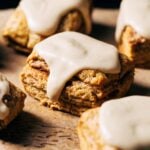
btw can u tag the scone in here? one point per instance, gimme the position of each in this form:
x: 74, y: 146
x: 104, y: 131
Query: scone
x: 36, y: 20
x: 73, y: 72
x: 133, y: 31
x: 11, y: 101
x: 117, y: 125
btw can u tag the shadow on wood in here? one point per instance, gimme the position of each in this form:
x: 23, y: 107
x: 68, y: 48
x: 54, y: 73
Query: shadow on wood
x: 8, y: 58
x: 30, y: 131
x: 26, y: 130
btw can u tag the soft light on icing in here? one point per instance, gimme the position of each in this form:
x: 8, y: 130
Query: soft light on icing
x: 125, y: 123
x: 135, y: 13
x: 68, y: 53
x: 4, y: 89
x: 44, y: 16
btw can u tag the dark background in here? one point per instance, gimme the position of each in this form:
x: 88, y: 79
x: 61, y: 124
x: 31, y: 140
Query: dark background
x: 107, y: 3
x: 8, y: 3
x: 97, y: 3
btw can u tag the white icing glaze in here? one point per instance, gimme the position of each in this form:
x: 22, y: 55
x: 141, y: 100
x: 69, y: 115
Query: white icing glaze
x: 125, y: 123
x: 4, y: 89
x: 68, y: 53
x: 44, y: 16
x: 136, y: 14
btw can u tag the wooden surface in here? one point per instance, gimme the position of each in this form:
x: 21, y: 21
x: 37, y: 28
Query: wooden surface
x: 38, y: 127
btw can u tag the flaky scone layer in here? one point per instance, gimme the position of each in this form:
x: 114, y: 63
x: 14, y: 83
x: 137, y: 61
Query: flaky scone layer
x: 87, y: 89
x: 19, y: 36
x: 136, y: 47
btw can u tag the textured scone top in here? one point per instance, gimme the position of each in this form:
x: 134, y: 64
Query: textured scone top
x: 125, y: 123
x: 44, y: 16
x: 68, y: 53
x: 4, y: 89
x: 135, y: 13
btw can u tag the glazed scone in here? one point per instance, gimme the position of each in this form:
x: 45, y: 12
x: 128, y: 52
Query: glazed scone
x: 11, y: 101
x: 35, y: 20
x: 117, y: 125
x: 133, y: 31
x: 73, y: 72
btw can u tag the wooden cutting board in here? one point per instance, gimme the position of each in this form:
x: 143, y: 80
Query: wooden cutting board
x: 38, y: 127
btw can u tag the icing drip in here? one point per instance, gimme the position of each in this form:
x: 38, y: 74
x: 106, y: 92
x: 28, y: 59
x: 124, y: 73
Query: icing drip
x: 125, y: 123
x: 68, y: 53
x: 44, y: 16
x: 136, y: 14
x: 4, y: 89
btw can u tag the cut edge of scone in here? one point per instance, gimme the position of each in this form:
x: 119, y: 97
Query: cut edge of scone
x: 14, y: 100
x: 136, y: 47
x: 87, y: 89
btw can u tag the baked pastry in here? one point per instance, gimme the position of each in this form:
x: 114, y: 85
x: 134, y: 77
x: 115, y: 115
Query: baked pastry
x: 73, y: 72
x: 35, y: 20
x: 117, y: 125
x: 11, y: 101
x: 133, y: 31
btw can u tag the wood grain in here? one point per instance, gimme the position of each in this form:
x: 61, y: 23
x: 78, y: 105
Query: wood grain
x: 38, y: 127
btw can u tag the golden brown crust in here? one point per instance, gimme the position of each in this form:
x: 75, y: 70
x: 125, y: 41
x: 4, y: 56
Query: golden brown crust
x: 15, y: 102
x: 87, y: 89
x: 18, y: 35
x: 137, y: 48
x: 89, y: 132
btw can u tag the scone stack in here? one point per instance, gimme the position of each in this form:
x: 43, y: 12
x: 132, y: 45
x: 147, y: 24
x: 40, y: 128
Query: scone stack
x: 73, y: 72
x: 36, y: 20
x: 11, y: 101
x: 119, y: 124
x: 133, y: 31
